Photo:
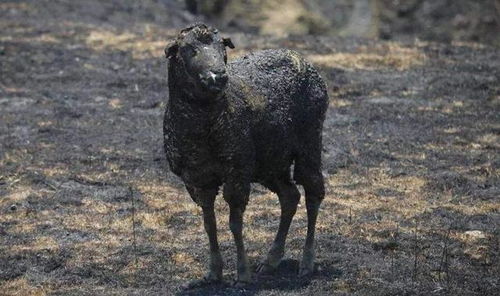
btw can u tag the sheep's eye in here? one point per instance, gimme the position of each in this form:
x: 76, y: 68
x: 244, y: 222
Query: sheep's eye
x: 190, y: 51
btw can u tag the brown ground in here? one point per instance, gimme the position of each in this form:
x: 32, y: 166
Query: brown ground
x: 411, y: 159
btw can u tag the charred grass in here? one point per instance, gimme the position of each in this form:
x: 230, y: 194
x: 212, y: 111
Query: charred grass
x: 411, y: 145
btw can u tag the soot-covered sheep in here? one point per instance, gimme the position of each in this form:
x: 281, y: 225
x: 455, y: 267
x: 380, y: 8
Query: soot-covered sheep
x: 246, y: 121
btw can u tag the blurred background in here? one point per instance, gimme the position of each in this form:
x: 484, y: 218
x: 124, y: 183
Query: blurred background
x: 398, y: 20
x: 438, y: 20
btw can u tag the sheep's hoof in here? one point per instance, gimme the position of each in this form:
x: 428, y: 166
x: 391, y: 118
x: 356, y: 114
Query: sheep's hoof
x: 265, y: 269
x: 306, y: 271
x: 207, y: 280
x: 240, y: 283
x: 243, y: 279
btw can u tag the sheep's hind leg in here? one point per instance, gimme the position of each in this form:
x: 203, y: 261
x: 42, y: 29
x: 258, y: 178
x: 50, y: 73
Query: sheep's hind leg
x: 206, y: 200
x: 308, y: 174
x: 289, y: 197
x: 315, y: 192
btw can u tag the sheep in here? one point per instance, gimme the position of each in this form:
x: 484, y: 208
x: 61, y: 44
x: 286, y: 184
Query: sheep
x: 246, y: 121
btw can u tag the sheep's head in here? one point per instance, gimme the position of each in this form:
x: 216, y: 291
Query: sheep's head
x: 202, y: 53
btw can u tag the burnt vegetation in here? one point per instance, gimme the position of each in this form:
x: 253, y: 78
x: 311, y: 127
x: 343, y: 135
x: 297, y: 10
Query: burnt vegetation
x: 410, y: 159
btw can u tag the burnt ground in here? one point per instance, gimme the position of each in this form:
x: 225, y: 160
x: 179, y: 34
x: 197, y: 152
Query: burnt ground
x: 87, y: 207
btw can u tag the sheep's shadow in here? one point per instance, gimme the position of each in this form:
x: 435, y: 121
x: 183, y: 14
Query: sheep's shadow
x: 285, y: 278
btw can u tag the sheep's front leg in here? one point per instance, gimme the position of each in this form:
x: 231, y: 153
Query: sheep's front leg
x: 216, y: 264
x: 206, y: 199
x: 236, y: 225
x: 237, y: 197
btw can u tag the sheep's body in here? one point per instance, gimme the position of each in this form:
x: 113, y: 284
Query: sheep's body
x: 243, y: 122
x: 269, y: 116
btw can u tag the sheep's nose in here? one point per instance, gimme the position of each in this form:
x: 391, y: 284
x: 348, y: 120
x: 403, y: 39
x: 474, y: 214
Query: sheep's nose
x: 218, y: 78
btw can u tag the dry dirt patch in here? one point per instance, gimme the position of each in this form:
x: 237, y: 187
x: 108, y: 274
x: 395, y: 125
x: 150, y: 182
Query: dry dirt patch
x: 388, y: 56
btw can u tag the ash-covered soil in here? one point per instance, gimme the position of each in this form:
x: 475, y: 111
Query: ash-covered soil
x: 87, y: 207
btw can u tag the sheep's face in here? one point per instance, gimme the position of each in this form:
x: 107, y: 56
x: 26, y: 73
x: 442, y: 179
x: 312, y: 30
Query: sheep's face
x: 202, y: 52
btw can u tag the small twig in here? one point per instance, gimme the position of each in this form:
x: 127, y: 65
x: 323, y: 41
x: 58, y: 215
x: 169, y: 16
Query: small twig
x: 392, y: 265
x: 394, y: 251
x: 350, y: 215
x: 415, y: 264
x: 48, y: 184
x: 15, y: 182
x: 444, y: 255
x: 134, y: 242
x: 446, y: 262
x: 86, y: 181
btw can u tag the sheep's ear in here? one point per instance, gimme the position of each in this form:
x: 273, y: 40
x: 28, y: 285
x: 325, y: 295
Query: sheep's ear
x: 227, y: 42
x: 171, y: 49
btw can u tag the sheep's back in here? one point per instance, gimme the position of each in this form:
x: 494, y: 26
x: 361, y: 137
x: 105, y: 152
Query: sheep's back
x: 284, y: 97
x: 278, y: 82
